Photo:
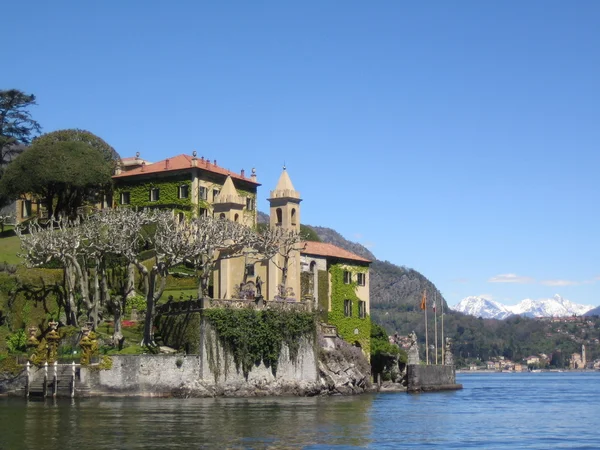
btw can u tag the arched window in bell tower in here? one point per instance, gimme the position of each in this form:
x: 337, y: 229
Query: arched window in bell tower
x: 279, y: 216
x: 293, y: 217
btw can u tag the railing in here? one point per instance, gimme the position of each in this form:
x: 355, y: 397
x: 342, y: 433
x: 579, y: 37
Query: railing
x: 258, y: 303
x: 50, y: 385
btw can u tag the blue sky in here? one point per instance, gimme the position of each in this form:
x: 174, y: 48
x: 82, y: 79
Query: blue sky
x: 456, y: 138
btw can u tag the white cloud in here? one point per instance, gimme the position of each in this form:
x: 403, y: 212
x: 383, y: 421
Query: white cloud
x: 510, y: 278
x: 559, y: 283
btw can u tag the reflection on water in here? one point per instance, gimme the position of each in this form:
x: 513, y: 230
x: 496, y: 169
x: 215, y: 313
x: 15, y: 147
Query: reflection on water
x: 493, y: 411
x: 111, y: 423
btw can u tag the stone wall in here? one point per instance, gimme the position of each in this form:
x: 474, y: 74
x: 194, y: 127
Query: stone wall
x: 212, y: 372
x: 431, y: 378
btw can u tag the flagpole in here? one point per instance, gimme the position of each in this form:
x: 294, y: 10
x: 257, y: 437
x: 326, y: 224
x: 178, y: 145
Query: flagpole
x: 435, y: 325
x: 426, y: 334
x: 443, y: 343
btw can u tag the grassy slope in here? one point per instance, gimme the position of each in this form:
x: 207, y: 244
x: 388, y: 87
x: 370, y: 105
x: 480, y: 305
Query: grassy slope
x: 9, y: 247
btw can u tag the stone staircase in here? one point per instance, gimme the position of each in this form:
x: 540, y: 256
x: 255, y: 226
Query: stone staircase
x: 55, y: 381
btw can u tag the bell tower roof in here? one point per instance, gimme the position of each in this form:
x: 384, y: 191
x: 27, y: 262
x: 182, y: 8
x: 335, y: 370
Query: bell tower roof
x: 285, y: 188
x: 229, y: 194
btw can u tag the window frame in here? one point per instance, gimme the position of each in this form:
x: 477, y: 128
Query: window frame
x: 181, y: 189
x: 154, y: 198
x: 361, y: 279
x: 203, y: 193
x: 347, y: 307
x: 122, y: 196
x: 347, y: 277
x: 362, y: 309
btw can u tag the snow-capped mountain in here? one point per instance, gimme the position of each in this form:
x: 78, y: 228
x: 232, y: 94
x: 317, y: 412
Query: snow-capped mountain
x: 482, y: 307
x: 549, y: 307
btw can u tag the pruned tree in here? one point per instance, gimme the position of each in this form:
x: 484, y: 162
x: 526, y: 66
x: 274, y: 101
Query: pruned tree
x: 115, y: 234
x: 278, y: 245
x: 171, y: 241
x: 63, y: 174
x: 60, y: 241
x: 211, y: 240
x: 109, y: 154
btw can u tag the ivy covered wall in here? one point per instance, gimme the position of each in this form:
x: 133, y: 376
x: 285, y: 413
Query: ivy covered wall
x: 250, y: 336
x: 351, y: 329
x: 139, y: 193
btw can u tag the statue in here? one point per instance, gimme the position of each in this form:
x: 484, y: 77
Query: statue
x: 89, y: 346
x: 32, y: 340
x: 258, y: 286
x: 413, y: 350
x: 52, y: 339
x: 448, y: 356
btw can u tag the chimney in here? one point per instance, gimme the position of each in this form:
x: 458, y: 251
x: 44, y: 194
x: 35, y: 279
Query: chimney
x: 242, y: 173
x: 215, y: 162
x: 166, y: 163
x: 143, y: 165
x: 253, y: 176
x: 194, y: 159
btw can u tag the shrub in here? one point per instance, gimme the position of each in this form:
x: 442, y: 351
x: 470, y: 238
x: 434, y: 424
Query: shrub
x: 137, y: 301
x: 17, y: 341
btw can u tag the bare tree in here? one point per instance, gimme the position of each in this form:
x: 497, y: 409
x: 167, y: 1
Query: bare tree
x: 211, y: 240
x: 60, y: 241
x: 278, y: 245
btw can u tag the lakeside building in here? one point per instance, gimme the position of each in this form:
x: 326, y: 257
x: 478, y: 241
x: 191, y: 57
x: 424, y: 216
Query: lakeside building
x: 335, y: 280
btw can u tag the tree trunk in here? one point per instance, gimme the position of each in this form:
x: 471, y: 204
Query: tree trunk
x: 117, y: 315
x: 70, y: 279
x: 148, y: 323
x: 130, y: 288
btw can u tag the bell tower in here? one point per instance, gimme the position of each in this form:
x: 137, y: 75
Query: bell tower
x: 285, y: 204
x: 285, y: 214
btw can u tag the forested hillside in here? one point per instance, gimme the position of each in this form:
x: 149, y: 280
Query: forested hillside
x: 395, y: 293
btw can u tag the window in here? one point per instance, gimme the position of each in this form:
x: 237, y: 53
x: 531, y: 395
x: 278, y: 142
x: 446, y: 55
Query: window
x: 222, y: 216
x: 25, y: 208
x: 203, y: 193
x: 236, y: 218
x: 293, y: 216
x: 249, y: 203
x: 183, y: 191
x: 362, y: 309
x: 154, y: 194
x: 361, y: 279
x: 279, y: 216
x: 125, y: 198
x: 203, y: 212
x: 180, y: 217
x: 347, y: 277
x: 216, y: 193
x: 348, y: 308
x: 250, y: 270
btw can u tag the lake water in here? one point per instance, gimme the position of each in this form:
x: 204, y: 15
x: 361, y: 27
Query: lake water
x: 535, y: 411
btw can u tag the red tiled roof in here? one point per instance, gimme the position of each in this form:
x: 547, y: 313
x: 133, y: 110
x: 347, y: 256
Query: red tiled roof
x: 323, y: 249
x: 181, y: 162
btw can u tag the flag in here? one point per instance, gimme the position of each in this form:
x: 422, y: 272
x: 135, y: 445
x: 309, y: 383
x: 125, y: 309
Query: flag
x: 433, y: 306
x: 424, y: 300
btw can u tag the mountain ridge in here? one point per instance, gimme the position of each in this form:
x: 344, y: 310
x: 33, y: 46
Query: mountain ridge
x: 485, y: 308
